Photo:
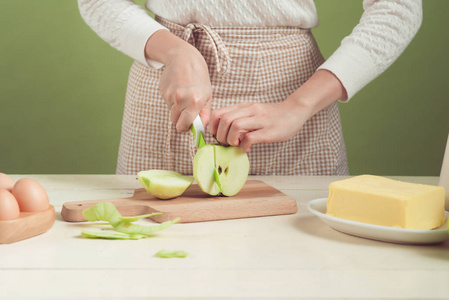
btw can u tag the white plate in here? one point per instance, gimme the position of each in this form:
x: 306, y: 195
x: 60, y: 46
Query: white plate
x: 377, y: 232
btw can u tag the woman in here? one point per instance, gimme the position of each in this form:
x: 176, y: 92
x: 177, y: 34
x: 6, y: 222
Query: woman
x: 251, y: 70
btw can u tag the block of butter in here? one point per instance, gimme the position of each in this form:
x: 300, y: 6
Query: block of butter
x: 382, y: 201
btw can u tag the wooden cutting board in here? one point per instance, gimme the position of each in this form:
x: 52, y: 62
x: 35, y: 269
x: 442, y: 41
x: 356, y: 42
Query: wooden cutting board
x: 256, y: 199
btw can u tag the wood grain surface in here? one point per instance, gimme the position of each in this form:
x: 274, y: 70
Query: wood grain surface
x: 28, y: 224
x: 256, y: 199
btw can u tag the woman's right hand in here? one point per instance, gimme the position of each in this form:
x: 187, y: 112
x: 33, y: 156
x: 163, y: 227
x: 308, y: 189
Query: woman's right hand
x: 185, y: 82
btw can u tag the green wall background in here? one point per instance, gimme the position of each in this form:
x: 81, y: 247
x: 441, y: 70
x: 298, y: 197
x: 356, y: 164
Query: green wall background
x: 62, y: 93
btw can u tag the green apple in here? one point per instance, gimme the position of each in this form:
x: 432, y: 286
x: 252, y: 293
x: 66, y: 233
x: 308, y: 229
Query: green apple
x: 220, y: 170
x: 164, y: 184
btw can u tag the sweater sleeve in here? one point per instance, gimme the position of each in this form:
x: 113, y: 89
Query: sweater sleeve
x: 384, y: 31
x: 123, y: 24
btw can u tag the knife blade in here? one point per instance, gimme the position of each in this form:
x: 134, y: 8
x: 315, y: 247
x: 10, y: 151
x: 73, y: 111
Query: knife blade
x: 197, y: 129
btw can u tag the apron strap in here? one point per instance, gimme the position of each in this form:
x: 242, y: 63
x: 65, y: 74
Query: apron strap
x: 221, y: 54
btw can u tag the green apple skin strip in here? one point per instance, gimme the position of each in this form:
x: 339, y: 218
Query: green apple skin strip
x: 112, y: 235
x: 171, y: 254
x: 217, y: 179
x: 199, y: 140
x: 103, y: 211
x: 216, y: 173
x: 202, y: 141
x: 130, y: 228
x: 106, y: 211
x: 136, y: 218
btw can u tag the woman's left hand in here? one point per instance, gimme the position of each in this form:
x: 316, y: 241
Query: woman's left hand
x: 246, y: 124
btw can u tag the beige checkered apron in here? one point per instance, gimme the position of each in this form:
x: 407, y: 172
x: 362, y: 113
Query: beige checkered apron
x: 248, y: 64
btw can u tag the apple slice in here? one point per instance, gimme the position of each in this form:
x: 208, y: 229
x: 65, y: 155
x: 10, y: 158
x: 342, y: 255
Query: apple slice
x: 220, y: 170
x: 164, y: 184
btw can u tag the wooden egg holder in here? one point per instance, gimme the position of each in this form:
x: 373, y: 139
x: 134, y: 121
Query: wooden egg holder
x: 27, y: 225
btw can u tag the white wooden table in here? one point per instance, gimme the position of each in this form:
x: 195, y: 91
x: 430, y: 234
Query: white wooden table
x: 295, y: 256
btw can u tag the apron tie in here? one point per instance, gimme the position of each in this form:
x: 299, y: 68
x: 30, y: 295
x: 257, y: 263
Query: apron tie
x: 221, y: 54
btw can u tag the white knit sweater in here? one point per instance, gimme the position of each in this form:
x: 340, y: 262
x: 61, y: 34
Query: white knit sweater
x: 384, y: 31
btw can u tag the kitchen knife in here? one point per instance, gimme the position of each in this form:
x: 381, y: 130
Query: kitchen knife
x: 197, y: 129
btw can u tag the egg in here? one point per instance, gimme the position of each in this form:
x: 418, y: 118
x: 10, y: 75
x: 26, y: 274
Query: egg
x: 6, y: 182
x: 30, y: 195
x: 9, y: 208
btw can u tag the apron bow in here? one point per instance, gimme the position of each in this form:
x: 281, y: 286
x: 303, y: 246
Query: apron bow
x: 221, y: 54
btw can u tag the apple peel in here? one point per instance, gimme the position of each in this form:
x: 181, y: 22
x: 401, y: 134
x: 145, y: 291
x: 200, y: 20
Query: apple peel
x: 171, y: 254
x: 106, y: 211
x: 112, y: 235
x: 217, y: 178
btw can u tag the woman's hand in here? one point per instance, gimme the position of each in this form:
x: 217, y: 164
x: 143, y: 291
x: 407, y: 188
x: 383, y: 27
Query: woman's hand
x: 185, y: 82
x: 186, y: 87
x: 246, y: 124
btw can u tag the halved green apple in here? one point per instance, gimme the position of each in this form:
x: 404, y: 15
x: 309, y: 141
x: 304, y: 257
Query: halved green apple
x: 164, y: 184
x: 220, y: 170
